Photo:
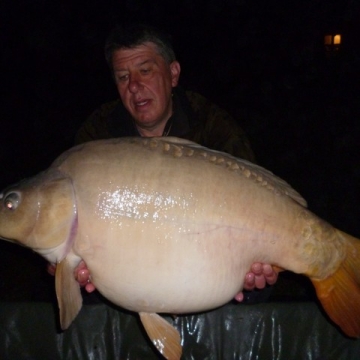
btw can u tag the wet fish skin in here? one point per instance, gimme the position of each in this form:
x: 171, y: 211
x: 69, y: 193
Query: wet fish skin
x: 163, y: 222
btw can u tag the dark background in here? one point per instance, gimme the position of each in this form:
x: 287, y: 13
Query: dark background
x: 263, y: 61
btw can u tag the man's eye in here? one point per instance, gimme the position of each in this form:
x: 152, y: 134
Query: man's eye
x: 122, y: 78
x: 145, y: 71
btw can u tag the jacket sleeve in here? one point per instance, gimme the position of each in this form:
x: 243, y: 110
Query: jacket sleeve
x: 217, y: 129
x: 95, y: 127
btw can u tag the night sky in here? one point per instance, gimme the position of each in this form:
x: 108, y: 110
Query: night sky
x: 263, y: 61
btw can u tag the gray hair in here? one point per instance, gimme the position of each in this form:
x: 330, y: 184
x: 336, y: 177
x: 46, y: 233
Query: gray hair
x: 130, y: 36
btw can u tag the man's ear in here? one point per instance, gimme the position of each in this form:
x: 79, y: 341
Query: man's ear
x: 175, y: 73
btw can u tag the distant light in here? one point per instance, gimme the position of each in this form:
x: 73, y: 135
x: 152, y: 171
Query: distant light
x: 337, y: 39
x: 332, y: 43
x: 328, y: 40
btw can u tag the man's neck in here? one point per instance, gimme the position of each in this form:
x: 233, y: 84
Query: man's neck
x: 150, y: 132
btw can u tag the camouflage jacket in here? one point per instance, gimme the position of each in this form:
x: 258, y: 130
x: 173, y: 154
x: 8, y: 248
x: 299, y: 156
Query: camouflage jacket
x: 194, y: 118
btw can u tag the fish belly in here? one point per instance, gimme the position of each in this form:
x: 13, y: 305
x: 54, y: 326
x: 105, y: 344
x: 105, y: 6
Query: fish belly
x: 181, y: 265
x: 152, y: 269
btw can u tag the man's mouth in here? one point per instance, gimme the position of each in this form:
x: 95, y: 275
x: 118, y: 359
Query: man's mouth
x: 142, y: 103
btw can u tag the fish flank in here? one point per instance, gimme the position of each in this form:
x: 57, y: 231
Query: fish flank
x: 321, y: 246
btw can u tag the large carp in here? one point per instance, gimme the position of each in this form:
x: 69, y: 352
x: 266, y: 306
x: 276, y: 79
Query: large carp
x: 167, y: 226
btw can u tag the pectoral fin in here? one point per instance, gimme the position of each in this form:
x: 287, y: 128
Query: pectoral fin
x: 163, y: 335
x: 67, y: 292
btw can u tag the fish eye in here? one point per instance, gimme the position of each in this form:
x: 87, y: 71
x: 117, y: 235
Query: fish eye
x: 12, y: 201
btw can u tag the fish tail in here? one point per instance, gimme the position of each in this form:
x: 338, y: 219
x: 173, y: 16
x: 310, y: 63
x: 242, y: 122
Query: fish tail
x: 339, y: 293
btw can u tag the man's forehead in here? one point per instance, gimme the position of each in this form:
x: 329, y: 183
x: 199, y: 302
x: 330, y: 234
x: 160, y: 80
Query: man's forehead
x: 147, y: 45
x: 138, y: 54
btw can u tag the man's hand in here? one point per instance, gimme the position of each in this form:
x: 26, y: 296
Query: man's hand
x: 81, y: 273
x: 258, y: 276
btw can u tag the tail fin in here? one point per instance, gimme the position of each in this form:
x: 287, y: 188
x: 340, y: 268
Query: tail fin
x: 339, y: 294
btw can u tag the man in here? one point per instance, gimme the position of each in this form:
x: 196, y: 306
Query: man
x: 146, y: 74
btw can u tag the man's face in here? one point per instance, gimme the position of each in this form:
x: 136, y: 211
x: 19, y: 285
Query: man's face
x: 144, y: 81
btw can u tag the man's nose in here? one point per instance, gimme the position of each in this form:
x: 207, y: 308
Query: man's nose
x: 134, y: 84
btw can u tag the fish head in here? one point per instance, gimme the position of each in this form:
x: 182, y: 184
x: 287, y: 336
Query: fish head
x: 40, y: 213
